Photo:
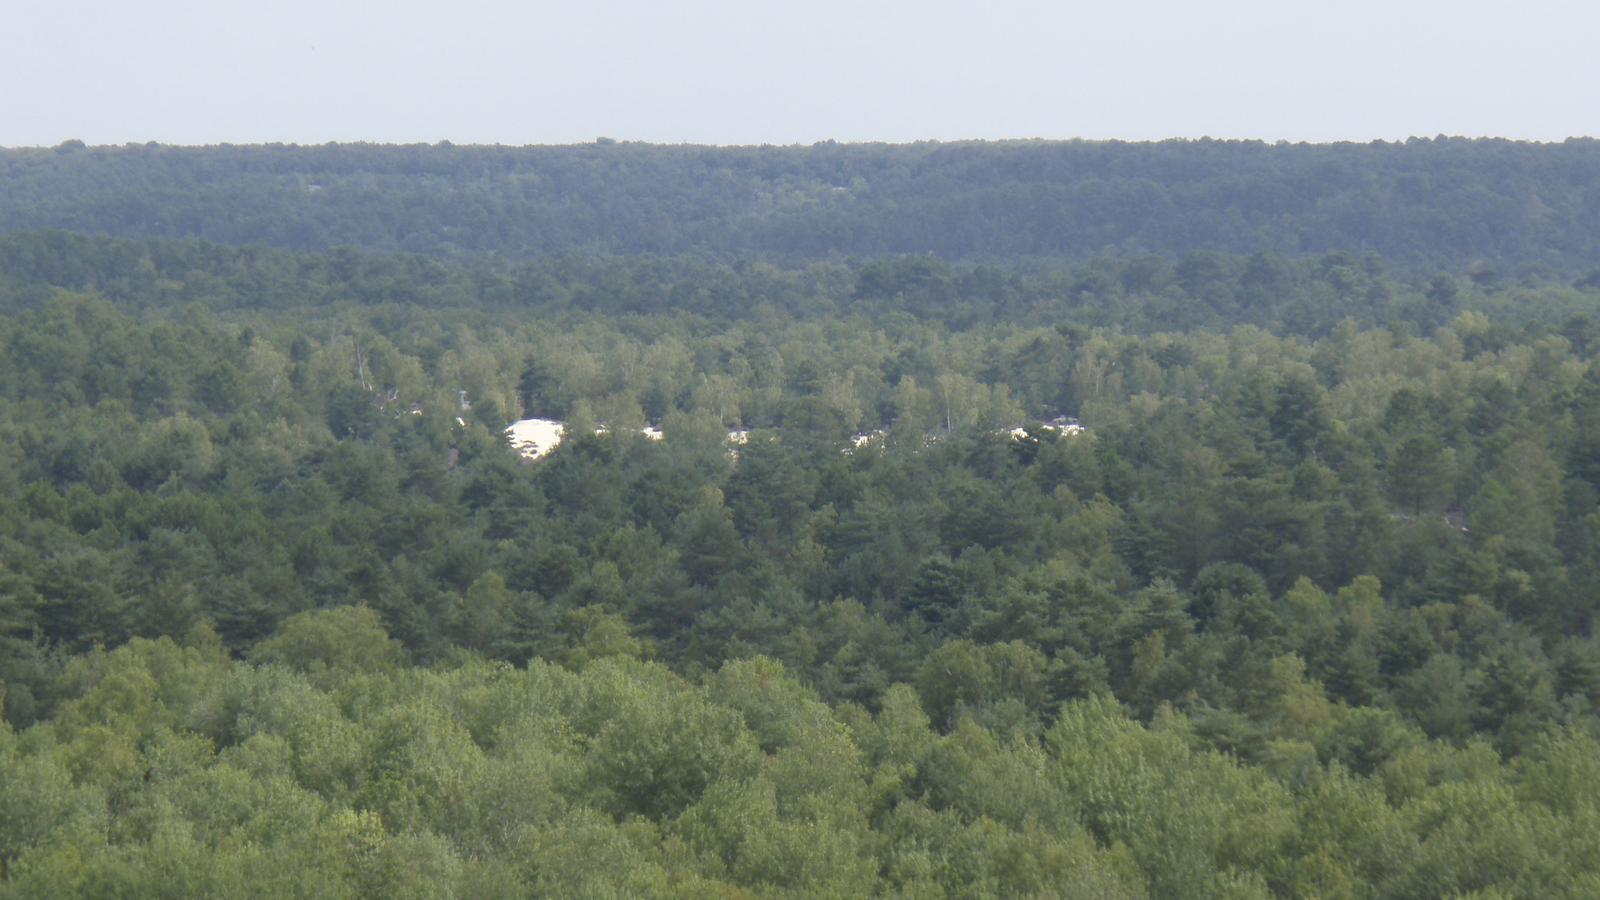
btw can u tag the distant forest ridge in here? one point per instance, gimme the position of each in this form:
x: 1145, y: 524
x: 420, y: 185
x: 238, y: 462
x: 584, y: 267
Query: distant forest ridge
x: 1146, y: 294
x: 1455, y: 204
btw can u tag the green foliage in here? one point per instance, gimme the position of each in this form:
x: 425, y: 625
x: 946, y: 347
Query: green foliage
x: 330, y: 644
x: 595, y: 634
x: 175, y: 772
x: 996, y: 682
x: 1303, y: 609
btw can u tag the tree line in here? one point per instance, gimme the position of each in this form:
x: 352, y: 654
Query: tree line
x: 324, y: 768
x: 1141, y: 294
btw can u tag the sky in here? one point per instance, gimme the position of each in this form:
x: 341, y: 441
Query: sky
x: 751, y: 72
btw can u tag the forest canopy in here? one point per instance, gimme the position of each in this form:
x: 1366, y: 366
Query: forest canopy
x: 1302, y: 606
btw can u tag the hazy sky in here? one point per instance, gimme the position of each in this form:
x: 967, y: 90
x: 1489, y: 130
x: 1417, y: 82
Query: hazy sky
x: 744, y: 71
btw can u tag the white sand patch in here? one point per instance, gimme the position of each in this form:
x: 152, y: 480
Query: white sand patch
x: 862, y: 438
x: 535, y: 438
x: 1063, y: 426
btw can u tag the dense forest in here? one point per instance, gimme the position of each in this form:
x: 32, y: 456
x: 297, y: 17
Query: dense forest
x: 1305, y: 610
x: 1448, y: 203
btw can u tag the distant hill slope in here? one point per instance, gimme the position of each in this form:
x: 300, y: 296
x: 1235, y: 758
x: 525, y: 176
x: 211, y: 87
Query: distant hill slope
x: 1426, y: 202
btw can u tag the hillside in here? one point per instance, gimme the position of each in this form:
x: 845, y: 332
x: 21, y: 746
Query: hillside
x: 1447, y: 203
x: 808, y: 600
